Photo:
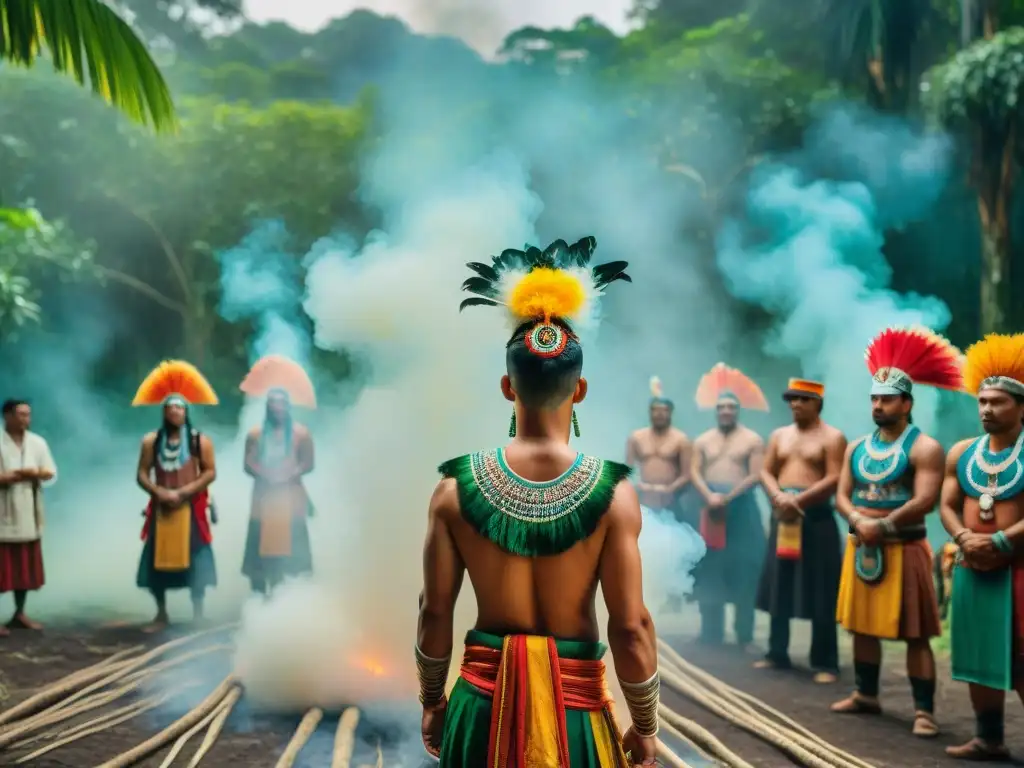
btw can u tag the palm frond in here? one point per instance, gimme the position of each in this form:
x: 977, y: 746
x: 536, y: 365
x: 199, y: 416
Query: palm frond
x: 86, y: 37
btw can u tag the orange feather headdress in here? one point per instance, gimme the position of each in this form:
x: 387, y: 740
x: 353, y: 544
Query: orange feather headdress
x: 175, y: 378
x: 898, y: 358
x: 278, y: 372
x: 725, y: 383
x: 996, y: 362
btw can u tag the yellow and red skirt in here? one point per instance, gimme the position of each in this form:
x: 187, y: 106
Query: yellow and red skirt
x: 526, y: 701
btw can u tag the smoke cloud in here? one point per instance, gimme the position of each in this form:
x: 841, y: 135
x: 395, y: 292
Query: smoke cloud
x: 809, y: 250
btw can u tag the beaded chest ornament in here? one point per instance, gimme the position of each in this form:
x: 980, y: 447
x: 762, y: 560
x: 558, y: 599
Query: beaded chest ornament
x: 995, y: 363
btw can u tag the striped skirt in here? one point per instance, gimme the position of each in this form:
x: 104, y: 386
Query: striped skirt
x: 21, y: 566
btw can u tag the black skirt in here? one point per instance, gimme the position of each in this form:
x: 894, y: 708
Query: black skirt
x: 806, y: 588
x: 730, y: 575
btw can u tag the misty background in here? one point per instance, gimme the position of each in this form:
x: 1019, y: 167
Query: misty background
x: 323, y: 197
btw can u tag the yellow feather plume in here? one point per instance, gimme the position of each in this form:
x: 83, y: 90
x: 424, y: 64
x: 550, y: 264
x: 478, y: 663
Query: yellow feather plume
x: 546, y: 293
x: 656, y: 389
x: 995, y: 355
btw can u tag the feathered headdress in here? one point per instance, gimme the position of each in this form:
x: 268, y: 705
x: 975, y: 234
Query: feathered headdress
x: 280, y: 373
x: 536, y: 285
x: 658, y: 393
x: 175, y: 378
x: 898, y: 358
x: 997, y: 362
x: 723, y: 383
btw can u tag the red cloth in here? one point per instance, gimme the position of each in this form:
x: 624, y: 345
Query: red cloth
x: 21, y: 566
x: 1018, y: 598
x: 200, y: 506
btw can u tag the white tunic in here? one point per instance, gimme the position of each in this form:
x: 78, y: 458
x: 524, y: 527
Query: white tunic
x: 21, y: 504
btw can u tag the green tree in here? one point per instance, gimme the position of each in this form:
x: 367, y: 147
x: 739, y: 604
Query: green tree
x: 231, y: 166
x: 979, y: 94
x: 588, y: 43
x: 31, y: 249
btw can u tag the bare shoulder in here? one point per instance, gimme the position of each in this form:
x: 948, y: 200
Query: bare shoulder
x: 751, y: 438
x: 852, y: 446
x: 255, y: 433
x: 639, y: 434
x: 301, y: 431
x: 624, y: 512
x: 148, y: 440
x: 679, y: 436
x: 957, y: 451
x: 444, y: 502
x: 780, y: 432
x: 832, y: 433
x: 205, y: 441
x: 926, y: 447
x: 706, y: 438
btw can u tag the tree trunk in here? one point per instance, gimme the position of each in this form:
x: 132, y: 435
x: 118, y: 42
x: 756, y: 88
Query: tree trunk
x: 196, y: 331
x: 995, y: 194
x: 990, y: 18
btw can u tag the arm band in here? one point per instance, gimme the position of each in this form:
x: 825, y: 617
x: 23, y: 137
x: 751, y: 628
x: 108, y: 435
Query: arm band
x: 1002, y: 543
x: 642, y: 700
x: 433, y: 676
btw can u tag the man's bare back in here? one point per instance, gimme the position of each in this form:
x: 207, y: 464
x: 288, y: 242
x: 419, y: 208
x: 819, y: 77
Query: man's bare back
x: 552, y: 595
x: 662, y: 457
x: 725, y: 457
x: 798, y: 458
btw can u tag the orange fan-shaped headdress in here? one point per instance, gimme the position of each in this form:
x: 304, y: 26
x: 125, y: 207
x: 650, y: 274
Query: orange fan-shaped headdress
x: 175, y: 377
x: 725, y: 383
x: 898, y: 358
x: 277, y: 372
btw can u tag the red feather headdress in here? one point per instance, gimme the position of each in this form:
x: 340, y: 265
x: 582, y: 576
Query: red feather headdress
x: 175, y: 377
x: 277, y: 372
x: 723, y: 382
x: 898, y: 358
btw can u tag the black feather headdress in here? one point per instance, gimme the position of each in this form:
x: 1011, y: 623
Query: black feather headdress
x: 538, y: 285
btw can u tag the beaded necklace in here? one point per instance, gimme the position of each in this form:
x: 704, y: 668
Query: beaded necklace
x: 876, y: 462
x: 532, y: 518
x: 991, y: 477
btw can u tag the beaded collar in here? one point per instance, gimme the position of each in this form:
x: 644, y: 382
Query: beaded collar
x: 531, y: 518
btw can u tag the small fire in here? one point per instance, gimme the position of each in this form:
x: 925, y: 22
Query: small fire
x: 373, y: 667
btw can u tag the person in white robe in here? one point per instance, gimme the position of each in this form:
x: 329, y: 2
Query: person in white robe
x: 26, y: 466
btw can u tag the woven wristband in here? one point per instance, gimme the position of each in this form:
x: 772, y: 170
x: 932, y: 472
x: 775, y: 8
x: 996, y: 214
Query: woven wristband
x: 642, y: 700
x: 1002, y: 543
x: 433, y: 677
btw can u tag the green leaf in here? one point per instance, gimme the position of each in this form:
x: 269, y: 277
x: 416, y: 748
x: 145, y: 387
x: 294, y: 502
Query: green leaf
x: 87, y: 38
x: 20, y: 218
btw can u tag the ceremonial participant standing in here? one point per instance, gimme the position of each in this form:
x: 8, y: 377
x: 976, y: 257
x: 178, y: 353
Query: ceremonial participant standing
x: 983, y: 510
x: 804, y: 558
x: 26, y: 466
x: 890, y: 482
x: 278, y: 454
x: 662, y: 455
x: 176, y: 468
x: 537, y: 526
x: 726, y: 469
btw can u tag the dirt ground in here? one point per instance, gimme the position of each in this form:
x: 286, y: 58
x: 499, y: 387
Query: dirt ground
x: 884, y: 741
x: 30, y: 661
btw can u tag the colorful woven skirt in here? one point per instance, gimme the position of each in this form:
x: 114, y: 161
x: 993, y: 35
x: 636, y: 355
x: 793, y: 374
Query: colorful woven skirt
x: 531, y: 702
